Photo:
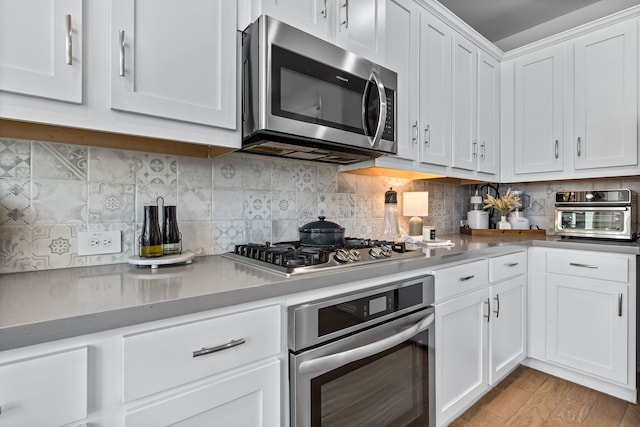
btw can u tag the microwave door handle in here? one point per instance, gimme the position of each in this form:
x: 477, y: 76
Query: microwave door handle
x: 382, y: 95
x: 333, y: 361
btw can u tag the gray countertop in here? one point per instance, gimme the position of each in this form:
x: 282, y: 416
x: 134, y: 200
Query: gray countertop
x: 48, y: 305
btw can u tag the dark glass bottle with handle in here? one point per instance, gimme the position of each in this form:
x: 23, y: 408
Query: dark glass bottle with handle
x: 171, y: 239
x: 151, y: 238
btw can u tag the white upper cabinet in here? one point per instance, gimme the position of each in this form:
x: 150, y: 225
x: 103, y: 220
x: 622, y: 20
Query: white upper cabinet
x: 355, y: 25
x: 606, y: 97
x: 175, y: 60
x: 311, y: 16
x: 573, y: 105
x: 476, y: 108
x: 465, y: 70
x: 404, y: 17
x: 538, y: 112
x: 361, y: 27
x: 488, y: 114
x: 434, y: 130
x: 41, y: 48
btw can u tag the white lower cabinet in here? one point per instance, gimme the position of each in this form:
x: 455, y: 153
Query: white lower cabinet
x: 461, y: 353
x: 248, y: 398
x: 582, y: 318
x: 506, y: 328
x: 221, y: 370
x: 44, y: 389
x: 480, y: 307
x: 587, y: 325
x: 164, y: 358
x: 148, y: 374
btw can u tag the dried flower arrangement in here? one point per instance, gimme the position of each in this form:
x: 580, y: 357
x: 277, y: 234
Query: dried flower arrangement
x: 504, y: 205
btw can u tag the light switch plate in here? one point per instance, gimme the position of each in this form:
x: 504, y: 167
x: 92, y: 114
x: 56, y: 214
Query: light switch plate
x: 99, y: 242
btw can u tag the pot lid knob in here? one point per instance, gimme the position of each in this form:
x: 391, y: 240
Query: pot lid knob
x: 391, y: 196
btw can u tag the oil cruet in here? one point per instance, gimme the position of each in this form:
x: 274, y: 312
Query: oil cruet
x: 171, y: 239
x: 151, y: 238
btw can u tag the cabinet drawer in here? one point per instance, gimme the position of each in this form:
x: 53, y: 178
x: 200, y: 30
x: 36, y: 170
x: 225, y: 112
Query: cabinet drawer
x: 50, y: 390
x: 591, y: 265
x: 250, y: 398
x: 451, y: 281
x: 164, y: 358
x: 506, y: 266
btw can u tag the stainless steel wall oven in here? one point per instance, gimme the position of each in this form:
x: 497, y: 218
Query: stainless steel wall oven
x: 364, y: 358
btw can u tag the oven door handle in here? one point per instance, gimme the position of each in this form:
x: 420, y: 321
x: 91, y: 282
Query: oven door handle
x: 328, y: 363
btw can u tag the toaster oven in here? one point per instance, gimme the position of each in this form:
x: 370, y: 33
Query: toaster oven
x: 603, y: 214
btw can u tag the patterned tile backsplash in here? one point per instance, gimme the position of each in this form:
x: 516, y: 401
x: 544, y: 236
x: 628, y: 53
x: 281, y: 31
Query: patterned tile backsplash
x: 49, y: 192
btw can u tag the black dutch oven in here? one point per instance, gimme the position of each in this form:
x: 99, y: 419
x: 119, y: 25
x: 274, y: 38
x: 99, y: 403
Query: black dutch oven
x: 321, y: 233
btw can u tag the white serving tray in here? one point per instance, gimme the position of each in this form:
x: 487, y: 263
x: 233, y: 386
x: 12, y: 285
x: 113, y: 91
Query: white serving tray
x: 185, y: 257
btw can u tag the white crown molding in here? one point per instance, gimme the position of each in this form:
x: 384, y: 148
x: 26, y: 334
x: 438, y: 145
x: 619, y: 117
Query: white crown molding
x: 564, y: 36
x: 461, y: 27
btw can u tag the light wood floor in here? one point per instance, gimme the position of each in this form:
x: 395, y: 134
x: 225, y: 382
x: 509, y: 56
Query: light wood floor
x: 530, y: 398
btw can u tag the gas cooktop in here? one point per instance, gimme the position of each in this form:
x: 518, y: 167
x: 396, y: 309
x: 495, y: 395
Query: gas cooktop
x: 290, y: 258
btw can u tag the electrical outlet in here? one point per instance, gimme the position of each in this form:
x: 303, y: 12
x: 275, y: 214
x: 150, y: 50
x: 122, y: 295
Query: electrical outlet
x: 99, y: 242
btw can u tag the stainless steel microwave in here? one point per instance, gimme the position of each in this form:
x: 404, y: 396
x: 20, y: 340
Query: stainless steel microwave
x: 305, y: 98
x: 603, y: 214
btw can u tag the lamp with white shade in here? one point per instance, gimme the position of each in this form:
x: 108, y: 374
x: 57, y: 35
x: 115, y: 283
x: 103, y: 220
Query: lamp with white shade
x: 416, y: 205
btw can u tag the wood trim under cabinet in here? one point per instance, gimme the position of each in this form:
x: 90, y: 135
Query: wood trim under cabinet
x: 68, y: 135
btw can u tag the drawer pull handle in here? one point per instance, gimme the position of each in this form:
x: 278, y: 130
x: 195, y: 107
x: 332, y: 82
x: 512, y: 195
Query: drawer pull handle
x: 577, y: 264
x: 465, y: 278
x: 497, y: 311
x: 209, y: 350
x: 488, y: 316
x: 619, y: 305
x: 512, y: 264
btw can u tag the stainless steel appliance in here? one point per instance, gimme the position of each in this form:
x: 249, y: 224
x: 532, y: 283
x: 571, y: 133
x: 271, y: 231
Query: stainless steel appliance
x: 305, y: 98
x: 365, y: 358
x: 606, y: 214
x: 292, y: 258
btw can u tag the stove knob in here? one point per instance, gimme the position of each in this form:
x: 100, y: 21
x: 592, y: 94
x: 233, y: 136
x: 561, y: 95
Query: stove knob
x: 341, y: 256
x: 386, y: 251
x: 375, y: 252
x: 354, y: 255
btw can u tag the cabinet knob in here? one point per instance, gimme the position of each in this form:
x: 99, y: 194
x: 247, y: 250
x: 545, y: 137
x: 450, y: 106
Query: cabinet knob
x: 556, y: 149
x: 414, y: 132
x: 465, y: 278
x: 497, y: 311
x: 427, y: 135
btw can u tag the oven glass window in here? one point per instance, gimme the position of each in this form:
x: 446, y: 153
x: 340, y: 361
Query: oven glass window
x: 388, y: 389
x: 593, y: 220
